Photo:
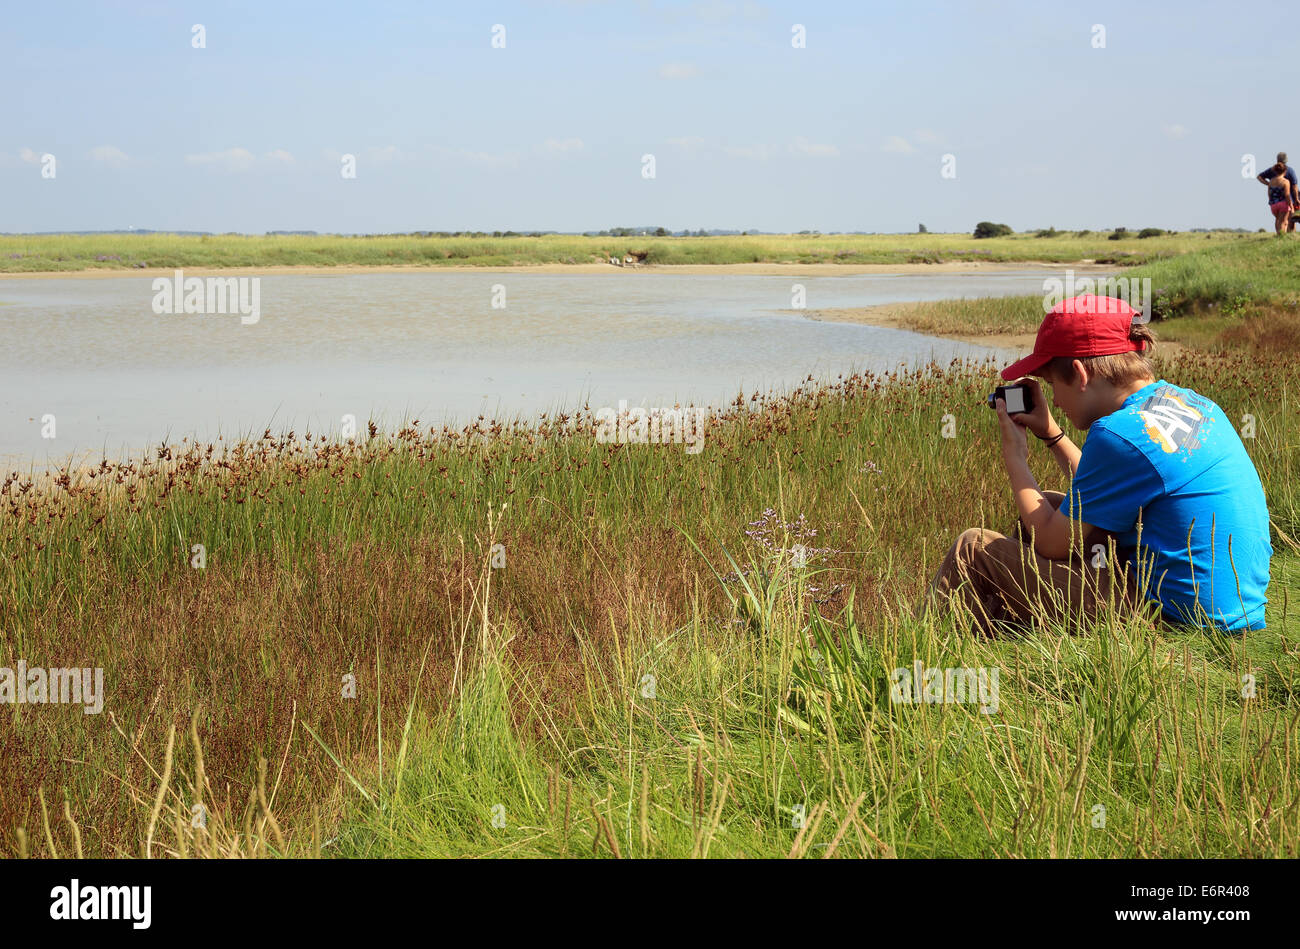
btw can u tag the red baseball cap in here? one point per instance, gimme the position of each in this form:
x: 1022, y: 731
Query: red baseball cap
x: 1080, y: 327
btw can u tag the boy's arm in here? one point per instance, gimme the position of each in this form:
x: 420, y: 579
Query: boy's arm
x: 1054, y: 533
x: 1064, y: 451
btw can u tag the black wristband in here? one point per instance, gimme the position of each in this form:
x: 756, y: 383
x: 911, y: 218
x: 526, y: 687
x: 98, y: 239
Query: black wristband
x: 1049, y: 442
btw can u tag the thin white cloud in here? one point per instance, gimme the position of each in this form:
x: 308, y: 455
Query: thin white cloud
x: 474, y: 157
x: 563, y: 146
x: 760, y: 151
x: 281, y: 156
x: 720, y: 11
x: 926, y: 137
x: 29, y: 156
x: 801, y: 146
x: 752, y: 152
x: 1174, y: 131
x: 897, y: 144
x: 232, y: 159
x: 110, y: 155
x: 678, y: 71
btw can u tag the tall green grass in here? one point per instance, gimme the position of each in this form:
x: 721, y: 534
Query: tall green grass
x: 1255, y: 279
x: 777, y: 737
x: 1230, y: 276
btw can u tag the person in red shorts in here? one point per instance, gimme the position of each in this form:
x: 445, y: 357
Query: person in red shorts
x: 1282, y: 201
x: 1283, y: 217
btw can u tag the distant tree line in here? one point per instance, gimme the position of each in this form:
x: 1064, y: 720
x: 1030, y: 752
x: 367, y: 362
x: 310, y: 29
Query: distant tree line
x: 989, y: 229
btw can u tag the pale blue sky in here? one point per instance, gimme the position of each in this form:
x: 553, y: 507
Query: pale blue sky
x: 548, y: 133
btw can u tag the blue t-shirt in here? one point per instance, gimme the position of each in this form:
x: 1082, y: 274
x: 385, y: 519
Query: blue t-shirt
x: 1172, y: 457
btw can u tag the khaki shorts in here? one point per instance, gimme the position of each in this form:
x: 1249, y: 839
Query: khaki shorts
x: 1007, y: 586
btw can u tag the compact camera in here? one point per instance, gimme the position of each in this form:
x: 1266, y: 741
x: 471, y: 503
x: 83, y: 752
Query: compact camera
x: 1018, y: 398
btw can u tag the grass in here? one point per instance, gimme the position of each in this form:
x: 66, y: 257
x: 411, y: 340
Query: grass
x: 683, y: 655
x: 1211, y: 298
x: 71, y: 252
x: 1232, y: 277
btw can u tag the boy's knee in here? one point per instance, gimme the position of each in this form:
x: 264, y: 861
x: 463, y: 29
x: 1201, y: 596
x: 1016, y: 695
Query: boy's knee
x: 976, y: 538
x: 972, y: 545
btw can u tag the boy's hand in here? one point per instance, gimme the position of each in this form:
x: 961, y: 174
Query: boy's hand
x: 1015, y: 446
x: 1039, y: 421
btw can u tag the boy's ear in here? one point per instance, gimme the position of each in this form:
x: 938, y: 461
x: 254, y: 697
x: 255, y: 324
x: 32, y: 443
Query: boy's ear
x: 1081, y: 373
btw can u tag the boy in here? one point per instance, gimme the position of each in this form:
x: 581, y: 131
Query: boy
x: 1163, y: 475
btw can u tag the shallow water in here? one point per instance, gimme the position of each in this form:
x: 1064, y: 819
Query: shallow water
x: 392, y: 346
